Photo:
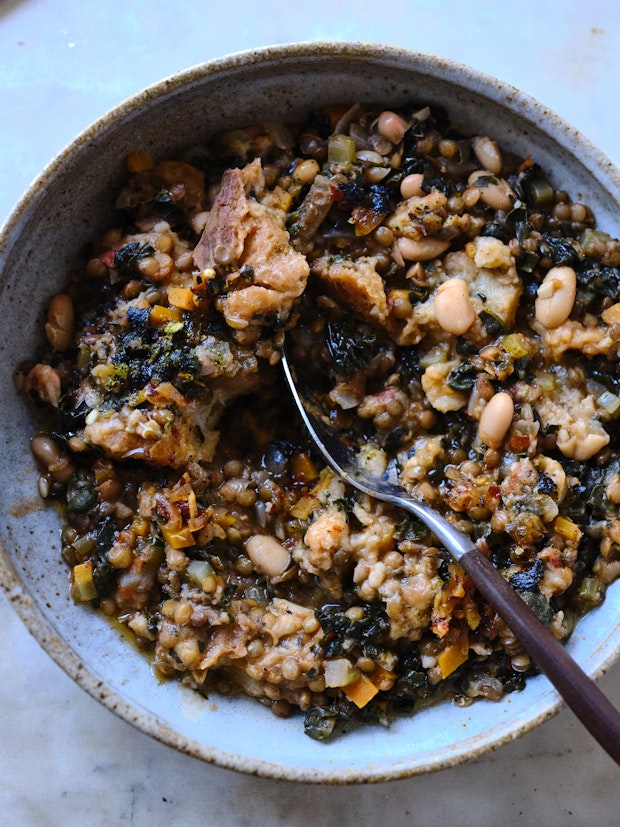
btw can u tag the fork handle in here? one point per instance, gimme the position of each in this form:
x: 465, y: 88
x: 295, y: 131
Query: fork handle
x: 579, y: 691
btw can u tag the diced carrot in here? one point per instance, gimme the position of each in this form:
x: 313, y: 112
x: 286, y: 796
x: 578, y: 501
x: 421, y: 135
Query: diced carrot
x: 334, y: 113
x: 139, y: 162
x: 84, y: 582
x: 303, y: 467
x: 161, y: 315
x: 178, y: 537
x: 365, y: 220
x: 382, y: 678
x: 361, y: 691
x: 181, y: 297
x: 453, y: 656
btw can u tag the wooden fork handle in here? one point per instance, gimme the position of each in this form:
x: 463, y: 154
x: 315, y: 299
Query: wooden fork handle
x: 581, y: 694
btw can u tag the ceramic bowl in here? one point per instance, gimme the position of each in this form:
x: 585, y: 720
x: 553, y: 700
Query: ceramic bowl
x: 70, y: 203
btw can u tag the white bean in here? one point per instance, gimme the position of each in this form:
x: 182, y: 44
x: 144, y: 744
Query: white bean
x: 43, y: 384
x: 556, y: 297
x: 52, y: 458
x: 267, y: 554
x: 496, y: 419
x: 421, y: 249
x: 306, y: 171
x: 453, y: 308
x: 488, y: 154
x: 392, y: 126
x: 411, y: 185
x: 59, y: 325
x: 494, y: 192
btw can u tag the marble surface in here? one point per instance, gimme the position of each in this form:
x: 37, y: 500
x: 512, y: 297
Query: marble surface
x: 64, y: 759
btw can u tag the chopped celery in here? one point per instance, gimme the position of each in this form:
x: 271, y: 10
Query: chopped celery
x: 540, y: 192
x: 199, y: 570
x: 591, y: 239
x: 341, y: 149
x: 590, y: 589
x: 545, y: 381
x: 610, y: 403
x: 434, y: 356
x: 340, y: 672
x: 514, y: 344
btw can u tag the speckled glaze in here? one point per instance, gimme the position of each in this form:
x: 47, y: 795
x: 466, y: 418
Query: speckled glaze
x: 69, y: 204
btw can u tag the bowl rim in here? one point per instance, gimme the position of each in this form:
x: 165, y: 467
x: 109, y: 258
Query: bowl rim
x: 455, y: 73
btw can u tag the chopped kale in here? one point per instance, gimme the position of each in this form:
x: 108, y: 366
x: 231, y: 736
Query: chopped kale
x: 351, y: 345
x: 597, y: 500
x: 342, y: 633
x: 496, y: 230
x: 493, y: 325
x: 166, y: 207
x: 546, y: 484
x: 560, y: 250
x: 145, y: 353
x: 463, y: 377
x: 346, y: 503
x: 412, y: 681
x: 539, y: 604
x: 126, y: 259
x: 319, y: 722
x: 103, y: 572
x: 70, y: 417
x: 409, y: 363
x: 411, y: 529
x: 380, y: 199
x: 596, y: 277
x: 529, y: 579
x: 138, y: 318
x: 354, y: 192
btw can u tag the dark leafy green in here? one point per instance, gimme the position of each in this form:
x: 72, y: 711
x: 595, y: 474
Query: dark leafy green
x: 126, y: 259
x: 342, y: 633
x: 351, y: 345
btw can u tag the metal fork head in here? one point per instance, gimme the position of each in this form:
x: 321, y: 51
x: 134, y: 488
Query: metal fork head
x: 341, y: 451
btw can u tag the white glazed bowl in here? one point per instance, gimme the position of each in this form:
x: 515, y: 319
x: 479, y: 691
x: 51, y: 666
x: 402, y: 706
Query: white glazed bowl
x: 69, y: 204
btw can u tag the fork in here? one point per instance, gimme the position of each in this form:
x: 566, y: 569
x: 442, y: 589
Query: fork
x: 579, y: 691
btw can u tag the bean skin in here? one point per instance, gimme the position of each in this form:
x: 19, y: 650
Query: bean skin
x: 421, y: 249
x: 392, y: 126
x: 267, y: 554
x: 59, y: 325
x: 487, y: 153
x: 496, y: 419
x: 52, y: 458
x: 43, y: 385
x: 556, y: 297
x: 453, y: 308
x: 496, y: 193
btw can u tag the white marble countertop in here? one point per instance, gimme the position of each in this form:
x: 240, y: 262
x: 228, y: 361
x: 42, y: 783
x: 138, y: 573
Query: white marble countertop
x: 64, y: 759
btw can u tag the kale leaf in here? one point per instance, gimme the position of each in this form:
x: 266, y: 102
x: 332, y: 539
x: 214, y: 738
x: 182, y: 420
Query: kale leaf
x: 126, y: 259
x: 351, y: 345
x: 342, y: 633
